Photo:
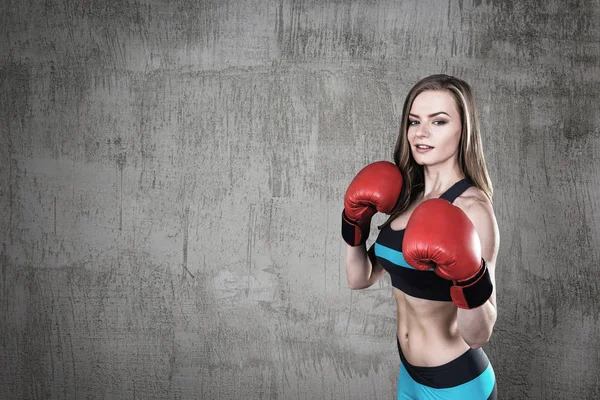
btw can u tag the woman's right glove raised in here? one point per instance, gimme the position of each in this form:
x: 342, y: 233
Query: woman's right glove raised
x: 375, y: 188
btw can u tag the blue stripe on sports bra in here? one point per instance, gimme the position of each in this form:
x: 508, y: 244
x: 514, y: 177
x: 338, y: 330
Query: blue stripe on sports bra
x: 394, y: 256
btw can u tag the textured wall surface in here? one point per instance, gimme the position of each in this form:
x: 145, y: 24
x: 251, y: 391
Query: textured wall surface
x: 172, y: 176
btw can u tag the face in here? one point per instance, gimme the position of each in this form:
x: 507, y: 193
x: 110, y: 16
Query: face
x: 434, y: 128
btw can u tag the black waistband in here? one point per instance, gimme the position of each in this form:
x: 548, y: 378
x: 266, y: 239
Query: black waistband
x: 462, y: 369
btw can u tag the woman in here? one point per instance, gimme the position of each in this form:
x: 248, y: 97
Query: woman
x: 439, y: 244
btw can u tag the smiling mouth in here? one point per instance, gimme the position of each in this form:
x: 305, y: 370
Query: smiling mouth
x: 423, y: 147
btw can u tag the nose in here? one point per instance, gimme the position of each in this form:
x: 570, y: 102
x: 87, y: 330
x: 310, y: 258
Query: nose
x: 422, y: 131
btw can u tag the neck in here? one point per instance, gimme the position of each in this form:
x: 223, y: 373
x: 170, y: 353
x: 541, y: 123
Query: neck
x: 440, y: 177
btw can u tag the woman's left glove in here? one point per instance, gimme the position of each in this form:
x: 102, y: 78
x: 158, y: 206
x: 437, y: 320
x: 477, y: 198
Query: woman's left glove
x: 441, y: 237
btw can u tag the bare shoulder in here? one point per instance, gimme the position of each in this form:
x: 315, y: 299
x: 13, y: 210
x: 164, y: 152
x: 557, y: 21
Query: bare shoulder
x: 474, y: 201
x: 478, y: 208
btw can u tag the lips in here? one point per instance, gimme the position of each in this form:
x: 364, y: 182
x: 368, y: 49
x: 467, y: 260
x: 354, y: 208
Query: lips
x: 423, y: 148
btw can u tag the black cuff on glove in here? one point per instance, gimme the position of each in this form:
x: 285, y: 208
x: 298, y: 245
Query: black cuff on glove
x: 352, y: 233
x: 473, y: 292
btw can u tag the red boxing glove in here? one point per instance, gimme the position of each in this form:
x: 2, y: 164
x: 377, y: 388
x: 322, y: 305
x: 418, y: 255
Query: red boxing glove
x: 375, y: 188
x: 439, y: 235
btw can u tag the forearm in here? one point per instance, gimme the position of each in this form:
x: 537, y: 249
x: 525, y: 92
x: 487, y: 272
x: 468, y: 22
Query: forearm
x: 476, y: 325
x: 360, y: 271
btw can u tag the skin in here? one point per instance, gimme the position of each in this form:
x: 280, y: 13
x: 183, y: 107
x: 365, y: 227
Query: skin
x: 432, y: 333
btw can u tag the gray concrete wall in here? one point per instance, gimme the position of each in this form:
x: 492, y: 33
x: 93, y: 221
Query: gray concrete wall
x: 172, y: 177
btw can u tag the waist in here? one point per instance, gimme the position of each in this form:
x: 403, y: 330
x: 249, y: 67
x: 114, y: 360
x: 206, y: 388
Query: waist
x: 428, y: 330
x: 465, y: 368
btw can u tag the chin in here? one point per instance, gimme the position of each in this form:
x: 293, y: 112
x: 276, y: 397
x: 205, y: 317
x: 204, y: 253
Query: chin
x: 427, y: 160
x: 424, y: 161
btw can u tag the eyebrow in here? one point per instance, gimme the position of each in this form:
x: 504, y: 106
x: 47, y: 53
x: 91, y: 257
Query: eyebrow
x: 430, y: 115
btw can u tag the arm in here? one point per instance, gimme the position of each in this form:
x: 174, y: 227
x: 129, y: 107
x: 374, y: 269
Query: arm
x: 476, y: 325
x: 362, y: 269
x: 374, y: 189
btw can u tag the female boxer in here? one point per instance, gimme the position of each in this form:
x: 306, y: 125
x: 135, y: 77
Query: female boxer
x: 439, y: 244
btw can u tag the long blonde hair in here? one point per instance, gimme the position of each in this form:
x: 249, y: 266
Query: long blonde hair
x: 470, y: 151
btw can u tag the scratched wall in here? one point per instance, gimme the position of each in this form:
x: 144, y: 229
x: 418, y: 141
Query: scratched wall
x: 172, y: 176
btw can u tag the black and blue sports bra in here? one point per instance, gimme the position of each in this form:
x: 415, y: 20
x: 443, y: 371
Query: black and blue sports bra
x: 388, y: 252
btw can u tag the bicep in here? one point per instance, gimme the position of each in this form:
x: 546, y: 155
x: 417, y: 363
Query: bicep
x: 377, y: 270
x: 362, y: 268
x: 482, y: 216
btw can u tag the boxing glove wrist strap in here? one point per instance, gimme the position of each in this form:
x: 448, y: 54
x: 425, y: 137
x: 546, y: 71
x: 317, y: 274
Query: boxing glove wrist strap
x: 353, y: 233
x: 473, y: 292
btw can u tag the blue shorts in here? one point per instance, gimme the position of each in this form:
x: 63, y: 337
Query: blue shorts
x: 470, y: 376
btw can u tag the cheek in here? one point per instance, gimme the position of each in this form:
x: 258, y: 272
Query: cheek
x: 448, y: 142
x: 452, y: 137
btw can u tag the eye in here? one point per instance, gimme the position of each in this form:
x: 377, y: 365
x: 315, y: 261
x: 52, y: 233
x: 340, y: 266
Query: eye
x: 439, y: 122
x: 412, y: 122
